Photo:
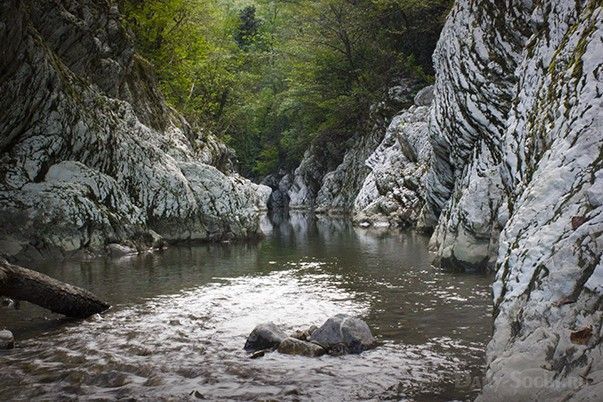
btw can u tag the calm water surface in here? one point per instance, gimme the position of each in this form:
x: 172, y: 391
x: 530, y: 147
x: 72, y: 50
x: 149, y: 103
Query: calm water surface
x: 180, y: 319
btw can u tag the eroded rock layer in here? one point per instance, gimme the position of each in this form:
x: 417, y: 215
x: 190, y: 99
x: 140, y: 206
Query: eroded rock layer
x: 328, y: 183
x: 516, y: 184
x: 90, y: 153
x: 505, y: 167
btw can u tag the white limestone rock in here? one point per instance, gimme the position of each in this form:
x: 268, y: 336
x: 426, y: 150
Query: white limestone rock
x: 7, y: 340
x: 90, y: 153
x: 331, y: 174
x: 306, y: 182
x: 475, y: 85
x: 392, y: 193
x: 515, y: 184
x: 340, y: 187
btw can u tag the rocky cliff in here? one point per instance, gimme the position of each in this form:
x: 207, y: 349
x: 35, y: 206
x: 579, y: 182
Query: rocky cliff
x: 90, y: 153
x: 329, y: 184
x: 516, y: 184
x: 393, y: 192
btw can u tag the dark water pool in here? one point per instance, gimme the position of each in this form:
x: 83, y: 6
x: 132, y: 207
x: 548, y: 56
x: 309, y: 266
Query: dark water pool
x: 180, y: 319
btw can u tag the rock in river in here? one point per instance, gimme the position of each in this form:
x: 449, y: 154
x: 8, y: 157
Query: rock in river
x: 293, y: 346
x: 342, y: 334
x: 264, y: 336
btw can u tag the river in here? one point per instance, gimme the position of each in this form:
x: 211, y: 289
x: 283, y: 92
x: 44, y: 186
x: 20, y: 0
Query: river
x: 180, y: 318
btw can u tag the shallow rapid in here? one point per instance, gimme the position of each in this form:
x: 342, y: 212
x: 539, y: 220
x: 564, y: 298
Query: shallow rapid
x: 180, y: 318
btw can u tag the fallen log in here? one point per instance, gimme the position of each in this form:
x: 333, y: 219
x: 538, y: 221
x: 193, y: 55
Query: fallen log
x: 23, y: 284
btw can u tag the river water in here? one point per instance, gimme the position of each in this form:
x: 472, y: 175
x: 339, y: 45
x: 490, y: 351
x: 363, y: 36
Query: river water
x: 180, y: 318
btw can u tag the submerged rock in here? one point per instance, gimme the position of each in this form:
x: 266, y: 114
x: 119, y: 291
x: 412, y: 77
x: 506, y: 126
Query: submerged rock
x: 7, y: 340
x: 344, y: 334
x: 120, y: 250
x: 264, y: 336
x: 259, y: 353
x: 7, y: 302
x: 293, y: 346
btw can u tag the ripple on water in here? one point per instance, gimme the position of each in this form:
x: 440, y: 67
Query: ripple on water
x: 189, y: 344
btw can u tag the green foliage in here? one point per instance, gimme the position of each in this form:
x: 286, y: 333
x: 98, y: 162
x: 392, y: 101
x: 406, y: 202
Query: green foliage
x: 194, y: 57
x: 273, y: 76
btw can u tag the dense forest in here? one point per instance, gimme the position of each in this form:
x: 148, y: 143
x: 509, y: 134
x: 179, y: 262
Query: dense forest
x: 269, y: 77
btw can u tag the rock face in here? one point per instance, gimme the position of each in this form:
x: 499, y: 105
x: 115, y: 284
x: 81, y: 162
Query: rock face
x: 90, y: 153
x: 264, y: 336
x: 475, y: 87
x: 516, y: 184
x: 293, y: 346
x: 279, y: 183
x: 342, y: 334
x: 393, y: 192
x: 306, y: 180
x: 340, y: 186
x: 305, y: 334
x: 328, y: 181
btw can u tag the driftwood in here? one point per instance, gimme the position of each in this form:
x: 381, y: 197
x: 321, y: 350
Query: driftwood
x: 20, y: 283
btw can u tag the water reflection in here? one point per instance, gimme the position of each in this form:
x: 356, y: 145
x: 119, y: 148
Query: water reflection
x: 180, y: 319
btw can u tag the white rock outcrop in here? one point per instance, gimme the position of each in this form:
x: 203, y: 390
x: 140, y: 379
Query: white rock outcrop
x: 306, y: 181
x: 516, y: 184
x: 510, y: 180
x: 90, y: 153
x: 393, y: 192
x: 332, y: 173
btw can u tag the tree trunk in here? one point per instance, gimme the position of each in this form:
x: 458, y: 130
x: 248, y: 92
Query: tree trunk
x: 24, y: 284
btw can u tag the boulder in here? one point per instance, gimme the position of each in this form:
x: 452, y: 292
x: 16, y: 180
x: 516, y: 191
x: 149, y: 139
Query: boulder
x: 264, y: 336
x: 7, y: 340
x: 259, y: 353
x: 344, y: 334
x: 293, y: 346
x: 6, y: 302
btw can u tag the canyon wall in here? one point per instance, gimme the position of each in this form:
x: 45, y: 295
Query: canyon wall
x: 329, y: 184
x: 393, y: 192
x: 505, y: 168
x: 516, y: 181
x: 90, y: 152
